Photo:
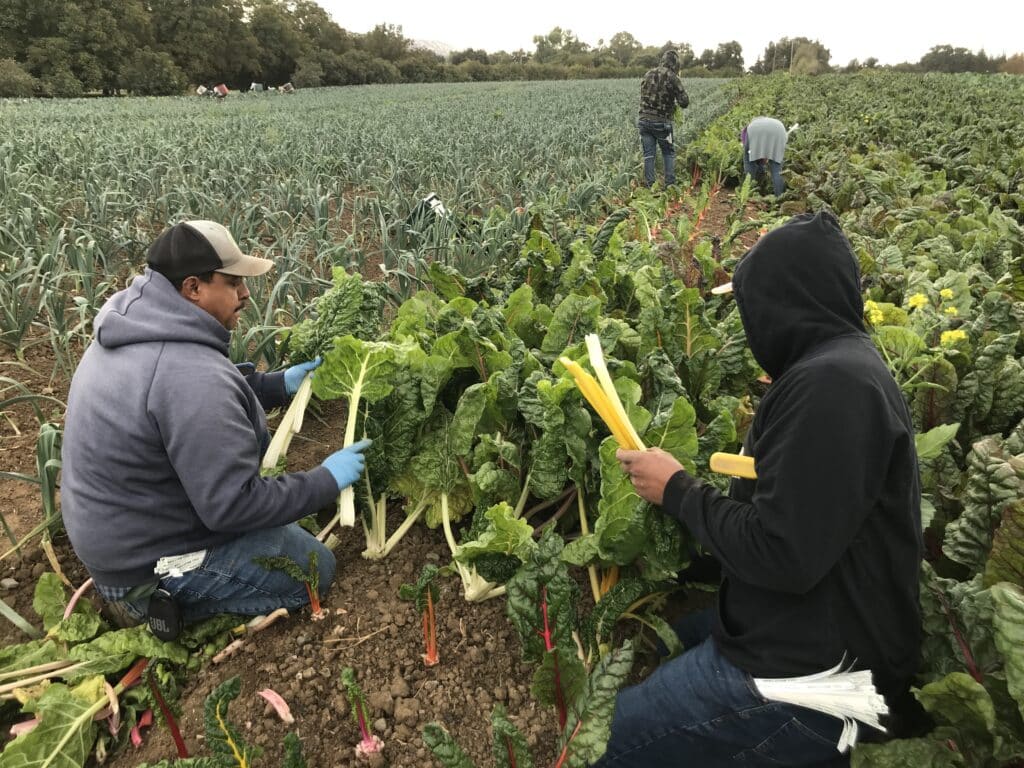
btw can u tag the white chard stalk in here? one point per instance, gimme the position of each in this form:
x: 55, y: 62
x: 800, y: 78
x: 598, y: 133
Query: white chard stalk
x: 291, y: 424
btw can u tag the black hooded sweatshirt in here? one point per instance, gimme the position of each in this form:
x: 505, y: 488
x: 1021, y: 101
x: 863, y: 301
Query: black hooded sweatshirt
x: 820, y: 555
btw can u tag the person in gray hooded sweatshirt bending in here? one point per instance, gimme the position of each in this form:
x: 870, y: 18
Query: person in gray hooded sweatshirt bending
x: 764, y: 144
x: 161, y: 485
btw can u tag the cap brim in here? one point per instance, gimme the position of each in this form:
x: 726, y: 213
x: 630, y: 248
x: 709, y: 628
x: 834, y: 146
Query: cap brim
x: 247, y: 266
x: 718, y: 290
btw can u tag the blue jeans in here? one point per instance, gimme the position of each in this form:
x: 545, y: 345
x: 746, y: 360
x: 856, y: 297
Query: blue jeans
x: 653, y: 134
x: 755, y: 170
x: 229, y: 581
x: 699, y: 710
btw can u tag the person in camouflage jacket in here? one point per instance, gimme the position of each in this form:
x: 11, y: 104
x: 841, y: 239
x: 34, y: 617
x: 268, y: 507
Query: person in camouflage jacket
x: 660, y: 91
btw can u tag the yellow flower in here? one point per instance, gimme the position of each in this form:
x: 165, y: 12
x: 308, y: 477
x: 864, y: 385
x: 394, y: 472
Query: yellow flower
x: 952, y: 311
x: 876, y: 316
x: 949, y: 338
x: 946, y: 293
x: 917, y: 300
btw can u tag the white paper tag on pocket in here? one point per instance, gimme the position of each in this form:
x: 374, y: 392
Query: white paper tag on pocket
x: 178, y: 565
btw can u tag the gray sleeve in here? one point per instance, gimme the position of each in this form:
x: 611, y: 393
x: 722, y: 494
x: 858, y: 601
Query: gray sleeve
x: 215, y: 452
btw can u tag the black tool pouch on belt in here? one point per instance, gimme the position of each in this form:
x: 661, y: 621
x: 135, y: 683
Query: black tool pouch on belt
x: 164, y: 615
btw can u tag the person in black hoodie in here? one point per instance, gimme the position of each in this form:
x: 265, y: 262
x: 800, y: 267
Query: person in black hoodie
x: 819, y: 555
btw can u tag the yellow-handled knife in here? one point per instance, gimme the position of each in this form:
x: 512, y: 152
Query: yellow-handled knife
x: 733, y: 464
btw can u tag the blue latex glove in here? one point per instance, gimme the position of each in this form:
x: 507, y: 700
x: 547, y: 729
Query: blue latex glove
x: 293, y: 376
x: 348, y: 464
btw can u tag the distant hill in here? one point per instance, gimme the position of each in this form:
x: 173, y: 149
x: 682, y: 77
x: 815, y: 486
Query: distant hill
x: 434, y: 46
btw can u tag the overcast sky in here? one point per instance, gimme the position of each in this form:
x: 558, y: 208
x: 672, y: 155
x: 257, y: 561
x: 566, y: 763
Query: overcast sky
x: 892, y: 31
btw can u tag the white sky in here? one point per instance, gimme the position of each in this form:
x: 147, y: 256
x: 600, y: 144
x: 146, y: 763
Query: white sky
x: 892, y: 31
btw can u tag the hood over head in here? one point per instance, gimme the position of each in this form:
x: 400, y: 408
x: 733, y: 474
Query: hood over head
x: 670, y: 59
x: 150, y: 309
x: 797, y: 288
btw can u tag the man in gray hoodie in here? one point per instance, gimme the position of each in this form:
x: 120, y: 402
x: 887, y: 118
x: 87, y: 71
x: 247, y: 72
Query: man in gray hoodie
x: 161, y: 488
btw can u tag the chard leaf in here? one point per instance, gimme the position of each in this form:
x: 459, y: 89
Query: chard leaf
x: 505, y: 534
x: 79, y: 626
x: 598, y: 626
x: 66, y: 732
x: 956, y: 615
x: 363, y: 370
x: 1006, y: 560
x: 116, y: 650
x: 1009, y: 635
x: 416, y: 318
x: 596, y: 706
x: 963, y: 703
x: 394, y: 425
x: 582, y: 551
x: 931, y: 443
x: 523, y: 319
x: 293, y: 752
x: 417, y: 592
x: 933, y: 405
x: 492, y: 485
x: 976, y: 395
x: 435, y: 470
x: 660, y: 378
x: 575, y: 317
x: 691, y: 333
x: 993, y: 481
x: 30, y: 654
x: 560, y: 670
x: 509, y: 749
x: 543, y: 578
x: 465, y: 424
x: 549, y: 472
x: 444, y: 748
x: 1007, y: 397
x: 621, y: 527
x: 348, y: 307
x: 49, y: 600
x: 676, y: 432
x: 907, y: 753
x: 222, y: 737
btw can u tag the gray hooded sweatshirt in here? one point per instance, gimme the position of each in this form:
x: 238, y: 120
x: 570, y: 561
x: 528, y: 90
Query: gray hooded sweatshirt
x: 163, y: 440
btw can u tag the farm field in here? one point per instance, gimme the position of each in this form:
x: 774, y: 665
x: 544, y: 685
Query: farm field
x: 546, y: 238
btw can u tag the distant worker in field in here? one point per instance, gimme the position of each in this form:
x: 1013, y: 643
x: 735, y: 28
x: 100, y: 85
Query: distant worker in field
x: 820, y: 554
x: 660, y: 91
x: 161, y: 489
x: 764, y: 144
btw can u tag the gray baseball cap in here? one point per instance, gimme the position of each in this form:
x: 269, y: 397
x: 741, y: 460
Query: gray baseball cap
x: 195, y: 247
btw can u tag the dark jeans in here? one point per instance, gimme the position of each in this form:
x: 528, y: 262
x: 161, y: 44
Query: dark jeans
x: 228, y: 581
x: 653, y: 134
x: 700, y: 710
x: 755, y: 170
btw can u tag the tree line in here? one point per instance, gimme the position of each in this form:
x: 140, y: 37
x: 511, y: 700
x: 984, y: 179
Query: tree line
x: 68, y: 48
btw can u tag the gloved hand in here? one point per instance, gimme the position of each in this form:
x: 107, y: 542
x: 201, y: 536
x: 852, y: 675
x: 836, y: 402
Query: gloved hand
x: 348, y: 464
x: 293, y: 376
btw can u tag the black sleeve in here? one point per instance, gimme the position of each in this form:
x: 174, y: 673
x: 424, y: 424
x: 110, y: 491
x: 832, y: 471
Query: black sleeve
x: 818, y: 474
x: 269, y: 389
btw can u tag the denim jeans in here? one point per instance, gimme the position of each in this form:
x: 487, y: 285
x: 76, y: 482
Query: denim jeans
x: 755, y: 170
x: 699, y: 710
x: 229, y: 581
x: 653, y: 134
